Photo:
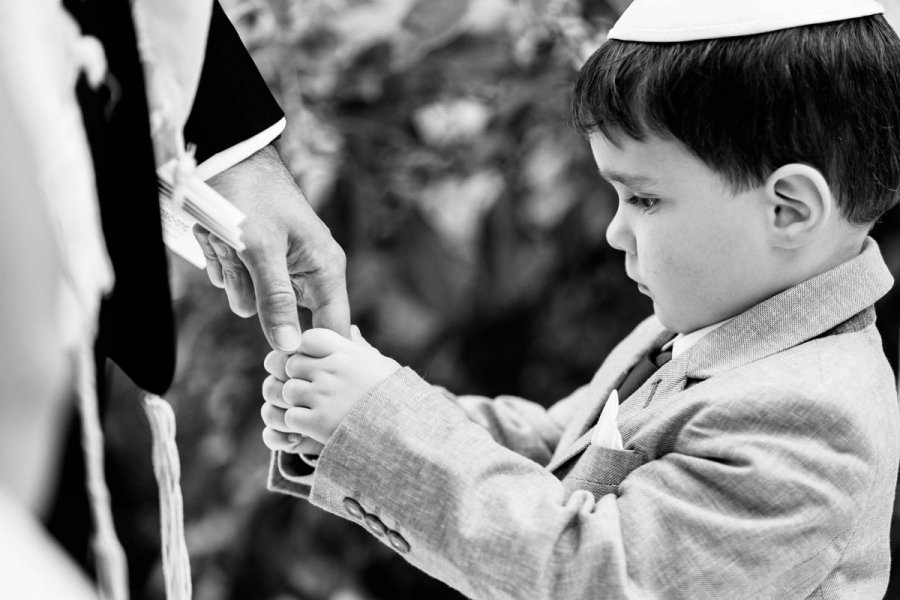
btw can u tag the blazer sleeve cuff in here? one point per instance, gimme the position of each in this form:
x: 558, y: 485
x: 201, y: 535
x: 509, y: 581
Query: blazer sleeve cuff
x: 343, y: 457
x: 346, y: 465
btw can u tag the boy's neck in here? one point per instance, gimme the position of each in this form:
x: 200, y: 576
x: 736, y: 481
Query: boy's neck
x: 828, y: 253
x: 802, y: 264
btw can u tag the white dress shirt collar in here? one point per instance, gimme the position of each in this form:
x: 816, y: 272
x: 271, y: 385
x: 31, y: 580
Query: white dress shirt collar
x: 683, y: 341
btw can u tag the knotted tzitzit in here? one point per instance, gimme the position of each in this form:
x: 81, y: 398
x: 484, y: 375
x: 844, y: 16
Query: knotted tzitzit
x: 112, y: 568
x: 167, y: 469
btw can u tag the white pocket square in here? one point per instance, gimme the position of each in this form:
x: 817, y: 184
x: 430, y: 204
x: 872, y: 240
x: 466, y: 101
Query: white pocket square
x: 606, y: 432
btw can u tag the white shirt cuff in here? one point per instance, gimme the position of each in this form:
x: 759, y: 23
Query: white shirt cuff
x: 226, y: 159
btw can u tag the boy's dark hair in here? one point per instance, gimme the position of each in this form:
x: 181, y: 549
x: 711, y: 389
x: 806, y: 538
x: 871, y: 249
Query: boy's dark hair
x: 825, y: 95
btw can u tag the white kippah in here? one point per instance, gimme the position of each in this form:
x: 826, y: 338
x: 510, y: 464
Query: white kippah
x: 688, y: 20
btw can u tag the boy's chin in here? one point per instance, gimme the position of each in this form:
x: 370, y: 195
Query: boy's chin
x: 663, y: 318
x: 671, y: 322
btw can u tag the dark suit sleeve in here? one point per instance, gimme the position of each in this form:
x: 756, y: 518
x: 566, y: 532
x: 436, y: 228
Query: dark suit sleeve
x: 233, y: 102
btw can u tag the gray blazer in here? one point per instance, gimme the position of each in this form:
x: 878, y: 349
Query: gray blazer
x: 761, y: 463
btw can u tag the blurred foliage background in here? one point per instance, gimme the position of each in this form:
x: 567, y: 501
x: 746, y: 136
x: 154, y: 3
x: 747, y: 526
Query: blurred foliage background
x: 433, y: 138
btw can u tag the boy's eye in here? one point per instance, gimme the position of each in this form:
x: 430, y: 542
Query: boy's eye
x: 642, y: 202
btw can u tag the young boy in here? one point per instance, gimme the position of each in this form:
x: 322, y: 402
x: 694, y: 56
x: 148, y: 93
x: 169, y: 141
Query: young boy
x: 752, y: 146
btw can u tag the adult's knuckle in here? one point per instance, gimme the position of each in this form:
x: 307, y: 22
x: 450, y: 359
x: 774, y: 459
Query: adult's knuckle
x: 209, y: 253
x: 262, y: 246
x: 335, y: 257
x: 232, y: 272
x: 278, y: 296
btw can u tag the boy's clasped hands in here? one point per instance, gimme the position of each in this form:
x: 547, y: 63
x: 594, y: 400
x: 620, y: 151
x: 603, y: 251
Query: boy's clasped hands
x: 309, y: 393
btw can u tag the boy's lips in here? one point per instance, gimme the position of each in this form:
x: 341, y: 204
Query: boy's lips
x: 641, y: 287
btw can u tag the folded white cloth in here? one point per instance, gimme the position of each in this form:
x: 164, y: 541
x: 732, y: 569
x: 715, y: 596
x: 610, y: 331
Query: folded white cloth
x: 606, y: 432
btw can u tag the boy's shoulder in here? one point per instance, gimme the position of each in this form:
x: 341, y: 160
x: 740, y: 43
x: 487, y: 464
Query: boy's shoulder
x: 841, y: 378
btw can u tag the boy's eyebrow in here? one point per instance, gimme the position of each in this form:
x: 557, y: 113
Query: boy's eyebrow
x: 626, y: 179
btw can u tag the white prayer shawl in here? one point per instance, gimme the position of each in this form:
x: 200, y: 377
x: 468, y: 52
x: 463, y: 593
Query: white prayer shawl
x: 172, y: 38
x: 41, y: 56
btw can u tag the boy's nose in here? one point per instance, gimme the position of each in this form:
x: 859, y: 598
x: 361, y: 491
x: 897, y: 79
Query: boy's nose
x: 618, y: 233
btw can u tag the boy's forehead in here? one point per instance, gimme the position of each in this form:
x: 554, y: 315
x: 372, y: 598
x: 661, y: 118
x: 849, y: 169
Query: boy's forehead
x: 622, y: 150
x: 635, y: 163
x: 691, y: 20
x: 649, y: 164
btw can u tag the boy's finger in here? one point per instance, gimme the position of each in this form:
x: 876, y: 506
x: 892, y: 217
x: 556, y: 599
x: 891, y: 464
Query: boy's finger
x: 296, y: 393
x: 273, y: 417
x: 272, y: 392
x: 299, y: 419
x: 308, y: 446
x: 320, y: 343
x: 274, y: 364
x: 300, y: 366
x: 280, y: 442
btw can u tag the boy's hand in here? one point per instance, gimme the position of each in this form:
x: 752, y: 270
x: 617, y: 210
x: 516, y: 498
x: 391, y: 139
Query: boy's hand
x: 278, y: 437
x: 328, y: 377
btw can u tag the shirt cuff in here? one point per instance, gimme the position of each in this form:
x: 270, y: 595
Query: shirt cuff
x: 226, y: 159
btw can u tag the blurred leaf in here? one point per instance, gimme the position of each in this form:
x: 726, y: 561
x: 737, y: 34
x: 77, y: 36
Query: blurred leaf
x: 451, y: 121
x: 431, y: 18
x: 455, y: 206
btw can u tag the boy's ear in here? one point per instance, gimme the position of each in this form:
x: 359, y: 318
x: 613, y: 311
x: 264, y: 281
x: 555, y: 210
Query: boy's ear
x: 799, y: 204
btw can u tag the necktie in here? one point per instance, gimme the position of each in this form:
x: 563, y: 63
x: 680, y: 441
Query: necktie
x: 642, y: 371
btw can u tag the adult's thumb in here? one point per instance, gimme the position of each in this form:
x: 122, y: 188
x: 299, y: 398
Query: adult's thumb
x: 276, y: 303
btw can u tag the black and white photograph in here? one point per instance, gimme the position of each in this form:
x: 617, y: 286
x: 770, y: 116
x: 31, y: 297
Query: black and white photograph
x: 449, y: 299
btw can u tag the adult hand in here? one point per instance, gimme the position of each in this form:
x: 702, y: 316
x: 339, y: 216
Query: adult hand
x: 290, y: 260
